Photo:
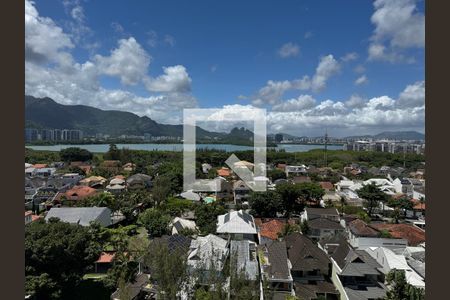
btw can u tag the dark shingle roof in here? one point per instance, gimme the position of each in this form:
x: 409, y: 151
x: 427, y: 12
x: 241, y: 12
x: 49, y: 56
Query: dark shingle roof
x: 304, y: 255
x: 324, y: 223
x: 277, y: 255
x: 310, y: 291
x: 360, y: 228
x: 322, y: 211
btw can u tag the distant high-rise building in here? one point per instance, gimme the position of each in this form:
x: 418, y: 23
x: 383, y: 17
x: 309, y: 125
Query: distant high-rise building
x: 31, y: 135
x: 278, y: 137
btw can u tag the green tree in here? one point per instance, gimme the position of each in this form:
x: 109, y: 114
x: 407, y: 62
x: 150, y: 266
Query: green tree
x: 372, y: 195
x: 311, y: 192
x: 206, y: 215
x: 290, y: 194
x: 289, y: 228
x: 265, y: 204
x: 168, y: 268
x: 400, y: 289
x: 75, y: 154
x: 161, y: 189
x: 57, y: 254
x: 113, y: 153
x: 155, y: 221
x: 276, y: 174
x: 342, y: 203
x: 304, y: 227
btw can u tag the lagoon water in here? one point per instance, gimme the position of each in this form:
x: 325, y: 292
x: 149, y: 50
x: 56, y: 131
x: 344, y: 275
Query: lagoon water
x: 102, y: 148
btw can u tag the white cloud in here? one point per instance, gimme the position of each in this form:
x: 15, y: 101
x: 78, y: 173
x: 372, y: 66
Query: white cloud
x: 289, y: 50
x: 129, y: 62
x: 361, y: 80
x: 44, y: 40
x: 350, y: 57
x: 298, y: 104
x: 273, y: 91
x: 355, y: 101
x: 174, y: 79
x: 413, y: 95
x: 70, y: 82
x: 398, y: 26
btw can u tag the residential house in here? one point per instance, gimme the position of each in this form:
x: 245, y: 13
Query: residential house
x: 81, y: 215
x: 139, y: 182
x: 389, y: 261
x: 28, y: 218
x: 326, y: 185
x: 177, y: 225
x: 355, y: 274
x: 206, y: 167
x: 295, y: 170
x: 129, y: 167
x: 320, y: 228
x: 191, y: 195
x: 71, y: 178
x: 116, y: 185
x: 275, y: 267
x: 224, y: 172
x: 310, y: 268
x: 96, y: 182
x: 244, y: 259
x: 44, y: 172
x: 362, y: 236
x: 269, y: 230
x: 113, y: 166
x: 412, y: 234
x: 311, y: 213
x: 76, y: 193
x: 104, y: 262
x: 300, y: 179
x: 241, y: 191
x: 207, y: 256
x: 219, y: 187
x: 238, y: 225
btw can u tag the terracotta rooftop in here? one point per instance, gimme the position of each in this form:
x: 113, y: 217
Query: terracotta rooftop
x: 80, y: 192
x: 271, y: 229
x: 418, y: 205
x: 224, y: 172
x: 360, y: 228
x: 106, y: 257
x: 28, y: 213
x: 411, y: 233
x: 326, y: 185
x: 39, y: 166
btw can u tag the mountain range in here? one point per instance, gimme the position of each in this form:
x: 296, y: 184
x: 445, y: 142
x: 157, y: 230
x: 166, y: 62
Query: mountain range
x: 45, y: 113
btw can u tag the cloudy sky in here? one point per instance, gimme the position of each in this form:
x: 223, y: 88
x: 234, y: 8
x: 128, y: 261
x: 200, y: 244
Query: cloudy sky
x: 353, y: 67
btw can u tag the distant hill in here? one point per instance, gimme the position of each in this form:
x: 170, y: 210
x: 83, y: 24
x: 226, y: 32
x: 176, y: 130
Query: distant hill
x: 46, y: 113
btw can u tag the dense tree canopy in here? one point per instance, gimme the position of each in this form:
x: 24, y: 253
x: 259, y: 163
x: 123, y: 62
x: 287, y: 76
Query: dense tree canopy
x: 75, y: 154
x: 155, y: 221
x: 265, y: 204
x: 206, y: 215
x: 57, y: 254
x: 372, y: 195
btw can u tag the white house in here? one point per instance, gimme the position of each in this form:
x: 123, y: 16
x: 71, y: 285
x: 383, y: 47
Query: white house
x: 178, y: 224
x: 390, y: 260
x: 237, y: 224
x: 81, y: 215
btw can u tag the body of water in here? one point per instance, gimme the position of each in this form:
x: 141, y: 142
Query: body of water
x: 102, y: 148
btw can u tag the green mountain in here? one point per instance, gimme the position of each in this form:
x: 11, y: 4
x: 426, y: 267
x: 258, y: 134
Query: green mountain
x: 46, y: 113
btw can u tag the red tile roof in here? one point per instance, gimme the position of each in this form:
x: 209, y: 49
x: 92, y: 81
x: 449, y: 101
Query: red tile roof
x: 28, y: 212
x: 271, y: 229
x: 360, y: 228
x: 35, y: 217
x: 411, y: 233
x: 106, y: 257
x: 224, y: 172
x: 39, y: 166
x: 79, y: 192
x: 326, y: 185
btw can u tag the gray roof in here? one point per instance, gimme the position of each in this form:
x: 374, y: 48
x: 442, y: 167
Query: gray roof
x: 277, y: 254
x: 324, y: 223
x: 371, y: 292
x: 81, y: 215
x: 417, y: 266
x: 322, y: 211
x: 244, y: 254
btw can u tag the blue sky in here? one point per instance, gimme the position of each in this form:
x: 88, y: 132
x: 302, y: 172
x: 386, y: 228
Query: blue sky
x: 363, y: 60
